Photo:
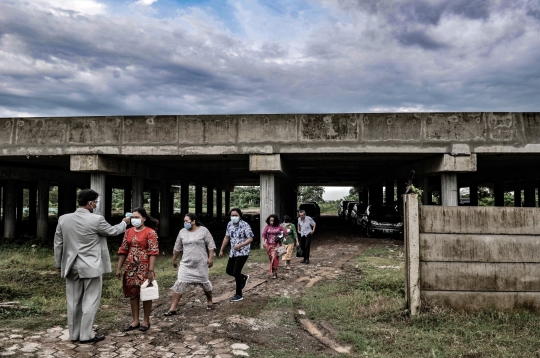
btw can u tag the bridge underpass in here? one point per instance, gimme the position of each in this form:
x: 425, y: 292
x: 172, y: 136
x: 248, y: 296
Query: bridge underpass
x: 278, y: 152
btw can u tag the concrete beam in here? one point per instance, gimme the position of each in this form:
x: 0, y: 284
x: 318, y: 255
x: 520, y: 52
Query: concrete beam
x: 50, y: 175
x: 439, y: 163
x: 100, y: 163
x: 272, y: 163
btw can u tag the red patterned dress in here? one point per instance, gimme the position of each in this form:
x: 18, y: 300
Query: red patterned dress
x: 138, y: 246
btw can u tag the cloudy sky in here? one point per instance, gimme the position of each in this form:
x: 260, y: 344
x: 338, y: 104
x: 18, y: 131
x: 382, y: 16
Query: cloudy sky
x: 106, y: 57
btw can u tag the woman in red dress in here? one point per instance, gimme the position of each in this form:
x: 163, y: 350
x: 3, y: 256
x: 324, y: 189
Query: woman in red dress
x: 271, y: 231
x: 138, y: 250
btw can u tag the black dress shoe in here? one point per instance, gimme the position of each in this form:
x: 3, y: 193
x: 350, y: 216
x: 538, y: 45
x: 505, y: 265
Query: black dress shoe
x: 131, y: 328
x: 307, y: 262
x: 93, y: 340
x: 303, y: 261
x: 74, y: 340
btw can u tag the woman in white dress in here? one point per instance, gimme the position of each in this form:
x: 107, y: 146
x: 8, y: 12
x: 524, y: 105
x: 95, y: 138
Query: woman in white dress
x: 197, y: 245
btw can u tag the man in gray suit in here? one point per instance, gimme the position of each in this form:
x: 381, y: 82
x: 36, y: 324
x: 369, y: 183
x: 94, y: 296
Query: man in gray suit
x: 82, y: 256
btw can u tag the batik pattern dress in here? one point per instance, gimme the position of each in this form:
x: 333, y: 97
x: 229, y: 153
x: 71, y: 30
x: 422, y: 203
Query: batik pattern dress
x: 290, y: 240
x: 269, y: 234
x: 138, y: 246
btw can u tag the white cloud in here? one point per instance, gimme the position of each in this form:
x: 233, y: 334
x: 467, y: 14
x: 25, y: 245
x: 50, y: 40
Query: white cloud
x: 85, y: 7
x: 145, y: 2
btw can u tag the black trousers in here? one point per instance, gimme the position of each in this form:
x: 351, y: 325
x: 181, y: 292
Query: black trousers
x: 234, y: 268
x: 305, y: 244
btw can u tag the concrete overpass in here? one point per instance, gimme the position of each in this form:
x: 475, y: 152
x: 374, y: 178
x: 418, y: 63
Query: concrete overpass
x: 277, y: 152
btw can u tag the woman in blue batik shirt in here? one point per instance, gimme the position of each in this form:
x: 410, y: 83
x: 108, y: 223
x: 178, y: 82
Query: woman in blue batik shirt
x: 240, y: 235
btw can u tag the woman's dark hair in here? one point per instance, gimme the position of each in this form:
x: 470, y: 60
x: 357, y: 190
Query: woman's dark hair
x: 86, y: 195
x: 195, y: 218
x: 286, y: 219
x: 150, y: 221
x: 276, y: 220
x: 237, y: 210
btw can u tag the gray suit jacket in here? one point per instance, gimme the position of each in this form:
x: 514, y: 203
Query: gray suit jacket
x: 81, y: 235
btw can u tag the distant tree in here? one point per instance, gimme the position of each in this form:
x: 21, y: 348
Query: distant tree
x: 310, y: 193
x: 353, y: 195
x: 246, y: 197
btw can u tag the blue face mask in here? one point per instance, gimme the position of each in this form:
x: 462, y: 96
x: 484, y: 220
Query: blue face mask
x: 235, y: 219
x: 187, y: 226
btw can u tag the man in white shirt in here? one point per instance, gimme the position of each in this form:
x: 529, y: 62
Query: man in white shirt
x: 306, y: 228
x: 82, y: 256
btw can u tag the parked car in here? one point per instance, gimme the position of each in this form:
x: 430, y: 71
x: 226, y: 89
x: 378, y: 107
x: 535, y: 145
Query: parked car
x: 317, y: 207
x: 309, y: 208
x: 343, y: 208
x: 357, y: 211
x: 348, y: 211
x: 381, y: 220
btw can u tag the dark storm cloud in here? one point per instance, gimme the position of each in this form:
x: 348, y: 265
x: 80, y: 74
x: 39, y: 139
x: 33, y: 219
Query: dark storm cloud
x: 420, y: 38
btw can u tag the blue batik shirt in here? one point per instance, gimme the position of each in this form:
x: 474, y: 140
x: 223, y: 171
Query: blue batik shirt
x: 238, y: 234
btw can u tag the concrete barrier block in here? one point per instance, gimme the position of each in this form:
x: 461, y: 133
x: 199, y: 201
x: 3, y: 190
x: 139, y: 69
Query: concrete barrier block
x: 220, y: 129
x: 6, y: 130
x: 480, y: 220
x: 150, y: 129
x: 531, y: 127
x: 456, y: 127
x: 474, y: 301
x: 479, y: 248
x: 479, y: 276
x: 190, y: 130
x: 95, y: 130
x: 328, y: 127
x: 266, y: 128
x: 41, y: 131
x: 398, y: 127
x: 503, y: 127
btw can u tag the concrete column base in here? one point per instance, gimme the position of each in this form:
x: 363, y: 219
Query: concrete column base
x: 449, y: 189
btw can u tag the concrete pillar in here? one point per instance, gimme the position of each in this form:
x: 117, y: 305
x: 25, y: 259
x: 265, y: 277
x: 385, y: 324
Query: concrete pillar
x: 107, y: 209
x: 473, y: 192
x: 209, y: 201
x: 184, y: 197
x: 154, y: 202
x: 498, y: 188
x: 98, y: 184
x: 365, y: 195
x: 165, y: 206
x: 389, y: 199
x: 20, y: 203
x: 530, y: 193
x: 401, y: 186
x: 127, y: 197
x: 43, y: 209
x: 137, y: 192
x: 198, y: 198
x: 269, y: 197
x: 227, y: 202
x: 449, y: 189
x: 376, y: 194
x: 10, y: 208
x: 32, y: 204
x: 412, y: 252
x: 219, y: 203
x: 517, y: 195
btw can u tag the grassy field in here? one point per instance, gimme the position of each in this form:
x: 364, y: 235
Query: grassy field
x: 28, y: 277
x: 367, y: 307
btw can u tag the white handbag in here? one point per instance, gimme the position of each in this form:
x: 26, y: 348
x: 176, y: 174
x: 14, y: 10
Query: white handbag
x: 281, y: 250
x: 149, y: 293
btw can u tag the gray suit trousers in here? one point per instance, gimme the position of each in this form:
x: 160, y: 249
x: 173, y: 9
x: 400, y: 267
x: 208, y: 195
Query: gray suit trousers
x: 83, y: 298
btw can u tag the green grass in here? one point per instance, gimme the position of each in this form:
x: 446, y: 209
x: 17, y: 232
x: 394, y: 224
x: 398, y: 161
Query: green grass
x: 367, y: 307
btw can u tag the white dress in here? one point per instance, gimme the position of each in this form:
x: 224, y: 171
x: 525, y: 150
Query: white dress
x: 193, y: 268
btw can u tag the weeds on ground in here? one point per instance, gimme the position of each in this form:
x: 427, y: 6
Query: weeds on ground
x: 367, y: 307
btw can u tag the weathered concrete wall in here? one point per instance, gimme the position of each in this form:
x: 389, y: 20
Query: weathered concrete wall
x: 480, y: 257
x: 281, y: 133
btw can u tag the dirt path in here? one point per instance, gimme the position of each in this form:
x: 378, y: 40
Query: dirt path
x: 231, y: 328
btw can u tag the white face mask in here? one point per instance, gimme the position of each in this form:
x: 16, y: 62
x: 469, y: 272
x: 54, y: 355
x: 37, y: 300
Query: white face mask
x: 136, y: 222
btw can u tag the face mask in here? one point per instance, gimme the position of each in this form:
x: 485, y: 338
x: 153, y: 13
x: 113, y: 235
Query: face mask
x: 187, y: 226
x: 136, y: 222
x: 235, y: 219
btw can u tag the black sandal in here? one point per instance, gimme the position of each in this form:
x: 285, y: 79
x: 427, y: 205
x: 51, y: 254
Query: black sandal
x: 170, y: 313
x: 131, y: 328
x: 144, y: 328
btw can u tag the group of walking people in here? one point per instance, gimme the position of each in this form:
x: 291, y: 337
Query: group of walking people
x: 82, y: 257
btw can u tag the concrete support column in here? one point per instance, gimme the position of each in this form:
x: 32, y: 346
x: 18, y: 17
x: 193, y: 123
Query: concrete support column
x: 154, y: 202
x: 198, y: 198
x: 20, y: 203
x: 449, y: 189
x: 137, y: 192
x: 10, y: 209
x: 376, y: 194
x: 127, y: 197
x: 269, y: 197
x: 66, y: 198
x: 43, y: 209
x: 365, y: 195
x: 107, y: 209
x: 98, y: 183
x: 219, y: 203
x: 401, y: 186
x: 498, y: 188
x: 165, y: 205
x: 389, y: 193
x: 184, y: 197
x: 530, y: 193
x: 209, y: 201
x: 517, y: 195
x: 227, y: 202
x: 473, y: 194
x: 412, y: 252
x: 32, y: 204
